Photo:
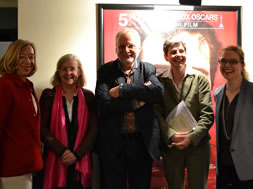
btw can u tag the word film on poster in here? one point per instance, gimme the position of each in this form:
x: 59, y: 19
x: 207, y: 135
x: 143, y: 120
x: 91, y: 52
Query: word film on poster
x: 196, y: 20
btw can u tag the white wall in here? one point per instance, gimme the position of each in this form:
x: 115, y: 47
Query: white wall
x: 58, y: 27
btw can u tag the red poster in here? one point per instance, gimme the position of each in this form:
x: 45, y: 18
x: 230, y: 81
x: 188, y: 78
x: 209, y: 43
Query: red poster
x: 205, y: 30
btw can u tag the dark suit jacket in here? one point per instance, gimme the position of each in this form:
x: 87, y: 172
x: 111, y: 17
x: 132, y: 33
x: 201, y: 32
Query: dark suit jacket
x: 112, y: 110
x: 242, y: 135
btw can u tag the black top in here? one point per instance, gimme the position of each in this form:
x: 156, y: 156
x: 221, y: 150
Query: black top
x: 71, y: 126
x: 229, y: 113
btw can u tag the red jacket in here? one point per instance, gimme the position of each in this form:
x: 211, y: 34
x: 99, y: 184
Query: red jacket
x: 20, y: 147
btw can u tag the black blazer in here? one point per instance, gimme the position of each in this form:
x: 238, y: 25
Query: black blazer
x: 112, y: 110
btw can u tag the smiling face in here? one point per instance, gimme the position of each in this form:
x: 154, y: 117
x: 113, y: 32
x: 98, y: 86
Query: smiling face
x: 229, y: 71
x: 128, y: 48
x: 25, y: 63
x: 198, y: 51
x: 69, y: 73
x: 176, y: 56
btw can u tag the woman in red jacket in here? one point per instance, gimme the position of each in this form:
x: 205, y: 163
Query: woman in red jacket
x: 20, y: 147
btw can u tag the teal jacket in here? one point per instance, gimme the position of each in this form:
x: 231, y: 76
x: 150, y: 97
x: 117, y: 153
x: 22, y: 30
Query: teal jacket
x: 197, y: 97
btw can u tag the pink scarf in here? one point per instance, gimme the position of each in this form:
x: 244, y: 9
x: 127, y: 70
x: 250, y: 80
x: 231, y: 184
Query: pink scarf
x: 55, y: 173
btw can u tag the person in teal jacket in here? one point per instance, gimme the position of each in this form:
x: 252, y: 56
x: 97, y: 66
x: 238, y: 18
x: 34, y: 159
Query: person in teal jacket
x: 185, y: 150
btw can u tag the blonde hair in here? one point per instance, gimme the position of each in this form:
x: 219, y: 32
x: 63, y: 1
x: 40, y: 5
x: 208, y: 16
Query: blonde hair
x: 239, y: 51
x: 10, y: 59
x: 56, y: 80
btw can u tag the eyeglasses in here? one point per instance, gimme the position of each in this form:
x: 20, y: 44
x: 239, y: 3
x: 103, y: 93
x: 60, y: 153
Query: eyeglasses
x: 223, y: 61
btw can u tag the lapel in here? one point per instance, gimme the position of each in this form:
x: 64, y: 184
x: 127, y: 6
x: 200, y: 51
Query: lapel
x: 121, y: 78
x: 117, y: 73
x: 187, y: 83
x: 170, y: 87
x: 218, y: 101
x: 138, y: 74
x: 219, y: 98
x: 239, y: 107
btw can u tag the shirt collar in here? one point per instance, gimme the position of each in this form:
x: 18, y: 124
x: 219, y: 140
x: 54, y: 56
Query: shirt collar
x: 133, y: 69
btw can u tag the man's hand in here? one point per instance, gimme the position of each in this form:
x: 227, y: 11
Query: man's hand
x: 114, y: 92
x: 148, y: 83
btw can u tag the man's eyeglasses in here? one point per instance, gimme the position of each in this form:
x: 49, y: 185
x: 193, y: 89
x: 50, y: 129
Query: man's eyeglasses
x: 223, y: 61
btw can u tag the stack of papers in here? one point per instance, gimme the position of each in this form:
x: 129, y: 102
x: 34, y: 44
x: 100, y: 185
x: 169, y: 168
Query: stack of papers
x: 180, y: 119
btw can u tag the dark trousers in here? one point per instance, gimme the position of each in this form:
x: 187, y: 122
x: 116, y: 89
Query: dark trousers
x: 131, y: 167
x: 228, y: 179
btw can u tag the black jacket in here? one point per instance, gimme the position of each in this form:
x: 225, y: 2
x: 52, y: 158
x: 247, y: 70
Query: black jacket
x: 112, y: 110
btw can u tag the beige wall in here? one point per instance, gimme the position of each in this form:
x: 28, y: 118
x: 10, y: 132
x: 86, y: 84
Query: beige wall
x: 58, y: 27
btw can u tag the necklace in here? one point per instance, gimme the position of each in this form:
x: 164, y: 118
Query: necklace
x: 223, y: 119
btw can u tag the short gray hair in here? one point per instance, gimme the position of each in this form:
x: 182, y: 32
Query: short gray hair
x: 131, y: 31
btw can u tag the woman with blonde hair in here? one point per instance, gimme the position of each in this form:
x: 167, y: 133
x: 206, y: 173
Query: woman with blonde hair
x: 20, y: 146
x: 234, y: 132
x: 68, y: 127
